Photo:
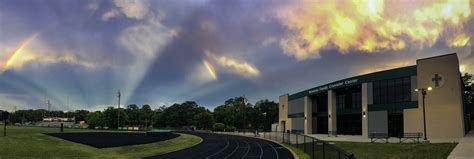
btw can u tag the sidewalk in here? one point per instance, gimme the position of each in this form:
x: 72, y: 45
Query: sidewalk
x: 465, y: 148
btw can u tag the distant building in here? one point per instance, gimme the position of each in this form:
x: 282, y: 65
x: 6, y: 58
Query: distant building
x: 58, y: 119
x: 383, y: 102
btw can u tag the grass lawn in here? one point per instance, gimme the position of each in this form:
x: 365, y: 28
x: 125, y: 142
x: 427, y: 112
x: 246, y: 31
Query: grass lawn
x: 298, y: 152
x: 395, y: 151
x: 29, y: 142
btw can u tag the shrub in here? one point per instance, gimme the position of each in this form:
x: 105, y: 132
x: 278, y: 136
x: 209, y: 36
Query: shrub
x: 218, y: 127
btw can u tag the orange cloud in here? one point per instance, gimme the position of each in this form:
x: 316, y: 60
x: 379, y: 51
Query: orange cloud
x: 236, y: 66
x: 371, y: 25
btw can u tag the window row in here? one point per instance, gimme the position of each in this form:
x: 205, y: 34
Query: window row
x: 392, y: 90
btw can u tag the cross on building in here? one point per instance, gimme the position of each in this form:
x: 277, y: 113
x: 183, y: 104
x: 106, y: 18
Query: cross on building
x: 436, y: 79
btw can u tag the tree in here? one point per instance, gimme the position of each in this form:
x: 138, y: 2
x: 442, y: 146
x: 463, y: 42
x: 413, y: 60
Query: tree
x: 110, y: 117
x: 95, y: 119
x: 225, y: 114
x: 469, y: 93
x: 268, y: 110
x: 146, y: 115
x: 159, y: 119
x: 204, y: 120
x: 80, y: 115
x: 133, y: 113
x: 182, y: 114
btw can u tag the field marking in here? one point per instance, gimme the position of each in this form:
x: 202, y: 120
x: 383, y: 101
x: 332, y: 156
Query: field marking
x: 272, y: 148
x: 238, y: 145
x: 248, y: 149
x: 227, y: 145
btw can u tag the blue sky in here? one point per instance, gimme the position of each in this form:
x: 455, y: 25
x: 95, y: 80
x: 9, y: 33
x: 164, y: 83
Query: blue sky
x: 77, y: 54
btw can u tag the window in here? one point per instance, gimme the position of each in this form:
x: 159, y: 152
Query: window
x: 356, y: 100
x: 391, y: 90
x: 340, y: 103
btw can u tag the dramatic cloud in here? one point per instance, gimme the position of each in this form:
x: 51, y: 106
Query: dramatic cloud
x: 39, y: 54
x: 370, y: 25
x: 155, y: 51
x: 236, y: 66
x: 145, y: 39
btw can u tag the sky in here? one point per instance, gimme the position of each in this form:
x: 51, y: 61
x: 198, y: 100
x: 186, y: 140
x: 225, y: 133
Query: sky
x: 78, y: 54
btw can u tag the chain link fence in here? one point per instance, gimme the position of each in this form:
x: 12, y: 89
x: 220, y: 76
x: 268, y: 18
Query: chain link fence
x: 315, y: 148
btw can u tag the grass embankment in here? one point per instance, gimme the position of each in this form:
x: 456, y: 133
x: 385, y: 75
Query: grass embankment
x: 395, y: 151
x: 30, y: 142
x: 298, y: 152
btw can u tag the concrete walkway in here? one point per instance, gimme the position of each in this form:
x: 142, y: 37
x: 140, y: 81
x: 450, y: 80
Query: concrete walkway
x: 465, y: 148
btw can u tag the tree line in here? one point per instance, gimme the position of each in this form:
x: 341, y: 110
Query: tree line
x: 235, y: 113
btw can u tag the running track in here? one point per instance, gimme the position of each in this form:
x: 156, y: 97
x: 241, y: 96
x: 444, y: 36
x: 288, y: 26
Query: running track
x: 219, y: 146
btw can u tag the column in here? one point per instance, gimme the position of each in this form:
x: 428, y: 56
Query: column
x: 308, y: 116
x: 365, y: 113
x: 332, y: 122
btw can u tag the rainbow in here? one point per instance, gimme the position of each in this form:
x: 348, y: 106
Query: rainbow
x: 18, y: 51
x: 210, y: 69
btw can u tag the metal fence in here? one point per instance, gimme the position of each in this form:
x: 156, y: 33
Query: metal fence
x: 315, y: 148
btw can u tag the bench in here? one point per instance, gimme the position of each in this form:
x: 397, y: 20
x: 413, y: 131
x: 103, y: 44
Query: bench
x: 378, y: 136
x: 333, y: 133
x: 415, y: 136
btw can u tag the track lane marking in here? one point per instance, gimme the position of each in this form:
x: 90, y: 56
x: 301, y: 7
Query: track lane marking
x: 238, y: 145
x: 272, y: 148
x: 248, y: 149
x: 261, y: 149
x: 227, y: 145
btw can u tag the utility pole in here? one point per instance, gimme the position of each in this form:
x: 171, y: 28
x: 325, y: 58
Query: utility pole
x: 118, y: 110
x: 49, y: 107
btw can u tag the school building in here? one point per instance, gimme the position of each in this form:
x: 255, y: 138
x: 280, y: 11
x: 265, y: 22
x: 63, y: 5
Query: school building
x: 383, y: 102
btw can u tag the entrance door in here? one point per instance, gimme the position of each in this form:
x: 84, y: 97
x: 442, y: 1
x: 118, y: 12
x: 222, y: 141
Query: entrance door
x: 395, y: 123
x: 322, y: 124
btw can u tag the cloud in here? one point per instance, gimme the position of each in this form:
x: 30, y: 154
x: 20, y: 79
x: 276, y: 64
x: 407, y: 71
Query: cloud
x: 93, y: 5
x: 370, y: 25
x: 145, y: 39
x: 110, y: 14
x: 236, y: 66
x: 137, y: 9
x: 32, y: 51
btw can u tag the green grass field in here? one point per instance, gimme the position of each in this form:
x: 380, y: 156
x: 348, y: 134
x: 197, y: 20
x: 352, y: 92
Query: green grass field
x: 29, y: 142
x: 397, y: 151
x: 364, y: 150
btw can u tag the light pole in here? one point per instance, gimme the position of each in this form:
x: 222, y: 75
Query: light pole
x: 118, y: 110
x: 423, y: 93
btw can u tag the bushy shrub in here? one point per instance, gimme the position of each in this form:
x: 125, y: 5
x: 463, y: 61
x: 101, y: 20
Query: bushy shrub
x: 218, y: 127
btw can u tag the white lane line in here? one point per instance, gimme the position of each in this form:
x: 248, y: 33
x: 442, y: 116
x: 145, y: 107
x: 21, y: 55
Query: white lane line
x: 261, y: 149
x: 238, y: 145
x: 273, y: 149
x: 248, y: 149
x: 219, y: 150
